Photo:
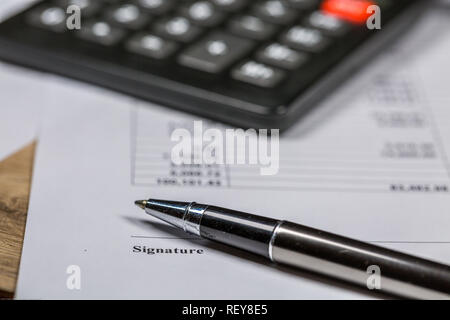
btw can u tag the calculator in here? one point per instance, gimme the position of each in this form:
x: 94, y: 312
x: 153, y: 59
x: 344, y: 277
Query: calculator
x: 253, y: 64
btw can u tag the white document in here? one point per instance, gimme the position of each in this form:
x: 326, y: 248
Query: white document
x: 10, y: 7
x: 375, y: 169
x: 22, y: 94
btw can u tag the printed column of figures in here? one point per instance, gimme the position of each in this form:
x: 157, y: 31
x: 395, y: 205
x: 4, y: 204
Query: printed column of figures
x: 387, y: 141
x: 153, y: 166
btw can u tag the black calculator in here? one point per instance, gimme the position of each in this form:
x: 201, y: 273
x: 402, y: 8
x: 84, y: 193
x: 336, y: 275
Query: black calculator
x: 260, y: 63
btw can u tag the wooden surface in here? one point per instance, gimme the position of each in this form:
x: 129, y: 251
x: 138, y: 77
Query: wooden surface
x: 15, y: 179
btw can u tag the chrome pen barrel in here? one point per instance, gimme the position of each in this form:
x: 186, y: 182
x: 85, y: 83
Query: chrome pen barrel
x: 359, y: 262
x: 309, y: 249
x: 184, y: 215
x: 238, y: 229
x: 328, y: 254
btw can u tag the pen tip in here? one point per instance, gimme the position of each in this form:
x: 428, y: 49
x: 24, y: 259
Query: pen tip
x: 141, y: 203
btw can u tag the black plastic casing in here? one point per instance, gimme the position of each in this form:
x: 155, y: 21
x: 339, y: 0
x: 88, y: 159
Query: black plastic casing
x: 216, y: 97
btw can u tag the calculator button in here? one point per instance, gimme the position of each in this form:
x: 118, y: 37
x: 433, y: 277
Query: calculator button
x: 251, y: 27
x: 52, y: 18
x: 151, y: 46
x: 155, y: 6
x: 274, y: 11
x: 281, y: 56
x: 230, y: 5
x: 203, y: 13
x: 88, y: 7
x: 101, y: 32
x: 329, y: 25
x: 303, y: 38
x: 128, y: 16
x: 177, y: 28
x: 257, y: 74
x: 349, y: 10
x: 302, y: 4
x: 216, y: 52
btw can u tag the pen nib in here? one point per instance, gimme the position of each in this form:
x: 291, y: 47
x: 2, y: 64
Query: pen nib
x: 141, y: 203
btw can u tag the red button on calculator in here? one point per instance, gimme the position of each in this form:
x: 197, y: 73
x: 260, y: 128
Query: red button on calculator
x: 354, y: 11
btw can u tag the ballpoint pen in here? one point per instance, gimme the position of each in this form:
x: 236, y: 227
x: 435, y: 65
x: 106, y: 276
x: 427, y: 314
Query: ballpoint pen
x: 307, y: 248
